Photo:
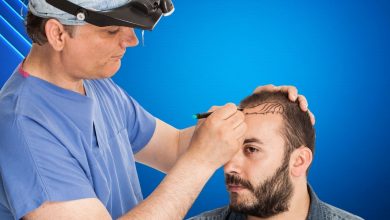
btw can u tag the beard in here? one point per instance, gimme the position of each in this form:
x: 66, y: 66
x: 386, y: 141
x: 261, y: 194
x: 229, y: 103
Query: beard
x: 268, y: 198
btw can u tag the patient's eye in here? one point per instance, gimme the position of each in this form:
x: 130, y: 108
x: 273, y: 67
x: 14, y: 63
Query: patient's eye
x: 250, y: 149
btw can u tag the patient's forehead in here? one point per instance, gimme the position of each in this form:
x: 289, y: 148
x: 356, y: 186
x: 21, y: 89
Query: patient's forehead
x: 264, y: 109
x: 268, y: 130
x: 264, y: 121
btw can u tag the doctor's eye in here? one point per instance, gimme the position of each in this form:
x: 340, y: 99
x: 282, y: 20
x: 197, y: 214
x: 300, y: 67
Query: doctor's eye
x: 113, y: 31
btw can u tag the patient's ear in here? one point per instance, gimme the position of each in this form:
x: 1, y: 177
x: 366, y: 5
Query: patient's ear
x: 300, y: 161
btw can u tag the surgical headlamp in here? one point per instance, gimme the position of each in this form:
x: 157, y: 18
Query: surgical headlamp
x: 142, y: 14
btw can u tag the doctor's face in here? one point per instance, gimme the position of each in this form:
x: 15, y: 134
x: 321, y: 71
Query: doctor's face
x: 96, y: 52
x: 257, y: 177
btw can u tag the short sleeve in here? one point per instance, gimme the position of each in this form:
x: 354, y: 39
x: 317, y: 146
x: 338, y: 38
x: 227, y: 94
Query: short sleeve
x: 36, y: 167
x: 140, y: 125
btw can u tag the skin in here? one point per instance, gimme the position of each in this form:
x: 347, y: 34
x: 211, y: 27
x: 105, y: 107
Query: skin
x: 96, y: 52
x: 261, y: 155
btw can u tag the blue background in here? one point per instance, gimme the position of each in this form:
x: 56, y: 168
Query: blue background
x: 211, y: 52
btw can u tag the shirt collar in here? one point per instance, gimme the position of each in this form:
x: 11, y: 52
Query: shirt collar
x: 315, y: 207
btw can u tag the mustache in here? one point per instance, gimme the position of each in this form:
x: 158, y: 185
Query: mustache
x: 237, y: 180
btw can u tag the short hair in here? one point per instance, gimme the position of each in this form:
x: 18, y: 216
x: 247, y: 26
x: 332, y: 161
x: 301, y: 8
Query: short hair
x: 35, y: 28
x: 297, y: 127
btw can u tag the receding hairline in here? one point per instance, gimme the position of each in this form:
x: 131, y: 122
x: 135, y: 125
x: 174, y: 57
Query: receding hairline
x: 291, y: 115
x: 264, y: 108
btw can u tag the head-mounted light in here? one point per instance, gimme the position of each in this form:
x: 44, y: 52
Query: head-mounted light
x: 142, y: 14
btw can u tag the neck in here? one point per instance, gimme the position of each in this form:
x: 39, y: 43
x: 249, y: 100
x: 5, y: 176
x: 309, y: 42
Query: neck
x: 299, y: 205
x: 44, y: 63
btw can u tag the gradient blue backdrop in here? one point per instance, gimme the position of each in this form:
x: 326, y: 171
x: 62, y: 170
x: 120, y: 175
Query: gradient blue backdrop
x: 212, y: 52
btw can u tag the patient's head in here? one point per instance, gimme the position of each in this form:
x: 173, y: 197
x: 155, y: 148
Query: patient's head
x: 274, y: 158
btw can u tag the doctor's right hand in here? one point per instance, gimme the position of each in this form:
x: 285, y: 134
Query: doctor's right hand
x: 218, y: 137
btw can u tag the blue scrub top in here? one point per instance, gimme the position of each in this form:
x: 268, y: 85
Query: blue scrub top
x: 58, y: 145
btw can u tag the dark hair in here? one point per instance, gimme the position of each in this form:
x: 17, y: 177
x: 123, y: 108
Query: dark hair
x: 35, y: 27
x: 297, y: 130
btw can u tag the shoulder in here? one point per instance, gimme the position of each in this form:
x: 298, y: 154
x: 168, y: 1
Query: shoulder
x: 322, y: 210
x: 336, y: 213
x: 14, y: 96
x: 216, y: 214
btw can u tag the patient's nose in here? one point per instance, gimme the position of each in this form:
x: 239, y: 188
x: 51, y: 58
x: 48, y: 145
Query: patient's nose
x: 234, y: 165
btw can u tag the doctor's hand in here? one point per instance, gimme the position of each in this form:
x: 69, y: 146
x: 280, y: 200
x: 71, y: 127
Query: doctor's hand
x: 217, y: 138
x: 293, y: 95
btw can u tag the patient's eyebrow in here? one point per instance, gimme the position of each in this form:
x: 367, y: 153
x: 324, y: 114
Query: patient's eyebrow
x: 252, y: 140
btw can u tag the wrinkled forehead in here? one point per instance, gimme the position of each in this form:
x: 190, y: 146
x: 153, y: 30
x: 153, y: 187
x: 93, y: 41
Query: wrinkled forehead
x: 264, y: 109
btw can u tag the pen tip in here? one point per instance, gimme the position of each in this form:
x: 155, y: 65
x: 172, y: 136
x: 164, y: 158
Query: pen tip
x: 194, y: 117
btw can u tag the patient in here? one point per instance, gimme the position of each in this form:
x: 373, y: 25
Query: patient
x: 267, y: 179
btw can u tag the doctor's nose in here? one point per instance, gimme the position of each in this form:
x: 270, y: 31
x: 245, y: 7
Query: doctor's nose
x: 128, y: 38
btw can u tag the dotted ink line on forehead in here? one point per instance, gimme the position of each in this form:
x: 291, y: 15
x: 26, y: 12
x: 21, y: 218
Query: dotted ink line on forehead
x: 264, y: 108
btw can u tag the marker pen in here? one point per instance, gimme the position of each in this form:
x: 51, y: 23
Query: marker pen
x: 207, y: 114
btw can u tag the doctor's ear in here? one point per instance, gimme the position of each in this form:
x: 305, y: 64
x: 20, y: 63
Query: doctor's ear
x: 300, y: 161
x: 55, y: 33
